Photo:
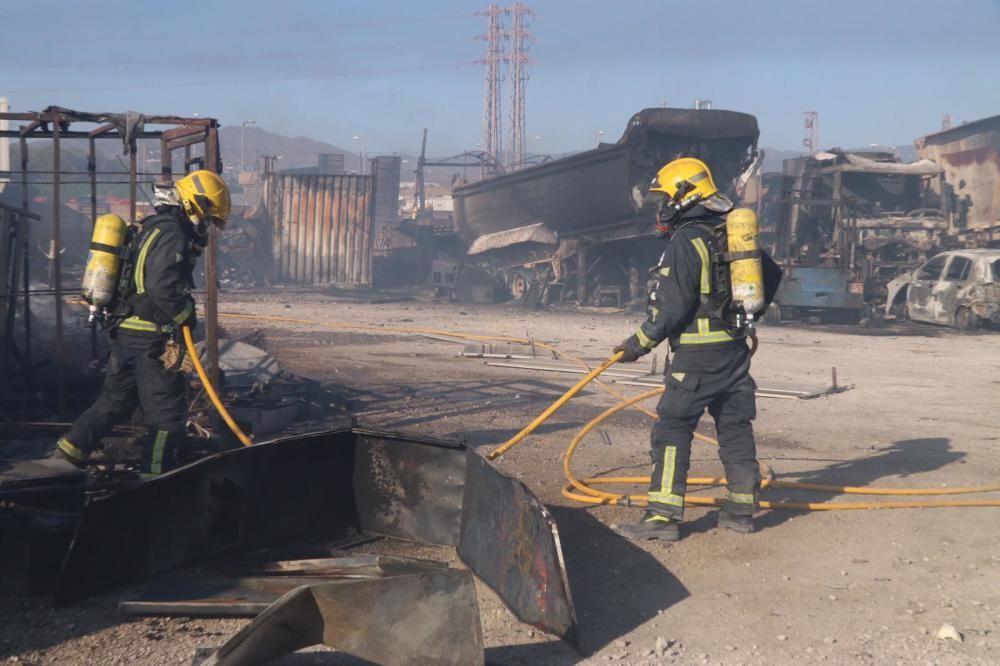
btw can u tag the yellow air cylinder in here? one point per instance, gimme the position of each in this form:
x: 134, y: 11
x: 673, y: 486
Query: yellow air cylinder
x: 100, y: 279
x: 746, y: 276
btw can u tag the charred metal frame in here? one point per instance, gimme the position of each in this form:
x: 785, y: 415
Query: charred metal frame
x: 14, y: 227
x: 55, y: 124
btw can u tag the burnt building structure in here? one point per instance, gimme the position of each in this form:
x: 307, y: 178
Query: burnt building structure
x: 969, y: 154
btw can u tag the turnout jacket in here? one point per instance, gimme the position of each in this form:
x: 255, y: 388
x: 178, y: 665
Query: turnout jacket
x: 684, y: 283
x: 156, y: 291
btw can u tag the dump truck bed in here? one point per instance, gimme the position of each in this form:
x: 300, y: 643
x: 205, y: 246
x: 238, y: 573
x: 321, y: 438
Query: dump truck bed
x: 604, y: 187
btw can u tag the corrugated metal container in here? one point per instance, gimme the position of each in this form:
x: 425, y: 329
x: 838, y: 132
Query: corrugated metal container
x: 322, y: 228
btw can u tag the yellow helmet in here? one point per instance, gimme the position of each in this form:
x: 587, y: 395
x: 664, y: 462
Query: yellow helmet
x: 204, y: 197
x: 687, y: 181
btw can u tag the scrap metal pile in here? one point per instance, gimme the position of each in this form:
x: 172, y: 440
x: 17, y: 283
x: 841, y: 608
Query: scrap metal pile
x: 230, y: 522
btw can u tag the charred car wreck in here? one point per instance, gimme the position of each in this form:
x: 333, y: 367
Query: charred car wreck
x: 959, y: 288
x: 574, y: 229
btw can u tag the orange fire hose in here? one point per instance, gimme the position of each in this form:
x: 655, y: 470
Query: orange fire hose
x: 582, y: 490
x: 210, y: 390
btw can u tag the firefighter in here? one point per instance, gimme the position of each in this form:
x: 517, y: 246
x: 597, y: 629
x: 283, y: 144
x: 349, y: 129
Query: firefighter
x: 152, y: 302
x: 690, y: 305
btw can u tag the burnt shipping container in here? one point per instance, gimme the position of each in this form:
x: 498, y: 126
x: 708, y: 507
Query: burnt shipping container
x: 322, y: 228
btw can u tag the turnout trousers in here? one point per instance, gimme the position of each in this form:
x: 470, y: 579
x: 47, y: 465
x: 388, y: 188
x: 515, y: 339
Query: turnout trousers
x: 136, y: 378
x: 717, y: 379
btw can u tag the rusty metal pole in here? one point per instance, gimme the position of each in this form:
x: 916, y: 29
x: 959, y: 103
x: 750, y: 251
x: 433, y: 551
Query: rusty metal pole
x: 8, y: 239
x: 92, y: 168
x: 57, y: 264
x: 131, y: 182
x: 166, y: 161
x: 27, y: 251
x: 211, y: 274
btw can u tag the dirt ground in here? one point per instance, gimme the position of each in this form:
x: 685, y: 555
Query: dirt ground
x: 839, y: 587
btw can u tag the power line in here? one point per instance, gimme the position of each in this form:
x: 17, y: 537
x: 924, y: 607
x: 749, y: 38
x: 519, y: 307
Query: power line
x: 227, y: 82
x: 203, y: 36
x: 130, y: 62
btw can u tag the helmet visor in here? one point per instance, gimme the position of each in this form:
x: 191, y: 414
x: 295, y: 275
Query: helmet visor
x: 653, y: 198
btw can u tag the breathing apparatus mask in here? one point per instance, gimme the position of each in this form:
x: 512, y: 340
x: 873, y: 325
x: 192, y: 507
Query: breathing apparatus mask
x: 167, y: 198
x: 671, y: 209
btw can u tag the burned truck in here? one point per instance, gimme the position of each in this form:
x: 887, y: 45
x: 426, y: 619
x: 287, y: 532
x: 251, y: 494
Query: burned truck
x: 850, y: 222
x: 575, y: 229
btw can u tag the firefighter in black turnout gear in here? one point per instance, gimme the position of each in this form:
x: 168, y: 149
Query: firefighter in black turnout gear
x: 710, y: 369
x: 152, y: 302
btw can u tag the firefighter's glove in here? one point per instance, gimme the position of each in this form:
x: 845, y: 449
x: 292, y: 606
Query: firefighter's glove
x: 172, y: 357
x: 631, y: 350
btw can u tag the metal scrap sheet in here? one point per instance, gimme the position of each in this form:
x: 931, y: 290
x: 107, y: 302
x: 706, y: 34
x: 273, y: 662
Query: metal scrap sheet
x: 316, y: 488
x: 511, y: 542
x: 409, y: 491
x: 291, y: 490
x: 415, y: 620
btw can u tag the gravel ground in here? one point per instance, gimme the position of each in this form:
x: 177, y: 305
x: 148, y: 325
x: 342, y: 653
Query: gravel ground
x: 835, y: 587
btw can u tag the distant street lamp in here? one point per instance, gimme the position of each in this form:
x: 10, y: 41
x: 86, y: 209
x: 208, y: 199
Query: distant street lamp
x: 364, y: 151
x: 243, y: 129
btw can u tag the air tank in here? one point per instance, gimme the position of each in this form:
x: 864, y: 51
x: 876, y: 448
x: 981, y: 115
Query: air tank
x: 746, y: 275
x: 100, y: 279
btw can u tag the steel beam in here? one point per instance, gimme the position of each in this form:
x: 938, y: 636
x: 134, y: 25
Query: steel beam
x: 212, y: 163
x: 57, y: 267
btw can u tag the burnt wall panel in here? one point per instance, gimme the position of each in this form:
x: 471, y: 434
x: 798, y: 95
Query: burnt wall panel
x: 970, y: 157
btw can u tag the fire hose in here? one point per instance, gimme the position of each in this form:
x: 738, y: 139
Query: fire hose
x: 583, y: 491
x: 210, y: 390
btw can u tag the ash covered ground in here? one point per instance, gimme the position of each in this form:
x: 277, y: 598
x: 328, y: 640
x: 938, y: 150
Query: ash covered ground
x: 831, y: 587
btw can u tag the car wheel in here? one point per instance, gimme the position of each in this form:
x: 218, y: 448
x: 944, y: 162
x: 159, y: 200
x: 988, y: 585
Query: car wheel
x: 773, y: 313
x: 966, y: 319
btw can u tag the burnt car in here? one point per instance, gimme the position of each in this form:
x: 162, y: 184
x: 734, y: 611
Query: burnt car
x: 956, y: 288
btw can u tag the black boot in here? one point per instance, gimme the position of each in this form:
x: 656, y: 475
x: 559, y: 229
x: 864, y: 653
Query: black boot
x: 652, y: 526
x: 736, y: 522
x: 66, y: 450
x: 160, y: 450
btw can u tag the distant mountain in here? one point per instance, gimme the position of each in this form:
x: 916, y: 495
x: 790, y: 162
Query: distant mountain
x: 294, y: 151
x: 774, y: 158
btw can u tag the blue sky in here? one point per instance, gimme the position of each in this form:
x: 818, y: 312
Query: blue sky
x: 876, y: 71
